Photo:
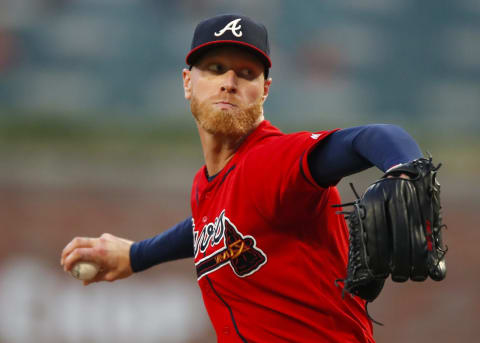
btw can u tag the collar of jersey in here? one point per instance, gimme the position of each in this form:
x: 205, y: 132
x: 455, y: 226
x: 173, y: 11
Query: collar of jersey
x: 262, y: 131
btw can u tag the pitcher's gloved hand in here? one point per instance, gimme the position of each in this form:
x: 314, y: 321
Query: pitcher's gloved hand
x: 396, y: 229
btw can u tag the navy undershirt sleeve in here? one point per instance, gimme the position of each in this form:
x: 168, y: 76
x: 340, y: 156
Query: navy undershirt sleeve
x: 173, y: 244
x: 352, y: 150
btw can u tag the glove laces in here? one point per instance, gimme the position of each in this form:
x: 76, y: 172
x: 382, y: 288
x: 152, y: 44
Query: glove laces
x: 354, y: 251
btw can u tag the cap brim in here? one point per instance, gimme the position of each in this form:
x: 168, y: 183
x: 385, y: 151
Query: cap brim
x: 197, y: 51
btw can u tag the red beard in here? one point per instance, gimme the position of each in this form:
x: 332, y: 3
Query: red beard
x: 235, y: 122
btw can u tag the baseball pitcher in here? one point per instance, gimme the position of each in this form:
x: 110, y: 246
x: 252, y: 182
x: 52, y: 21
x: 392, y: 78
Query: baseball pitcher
x: 268, y: 234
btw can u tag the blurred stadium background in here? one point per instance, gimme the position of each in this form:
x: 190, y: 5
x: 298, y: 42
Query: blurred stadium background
x: 95, y: 136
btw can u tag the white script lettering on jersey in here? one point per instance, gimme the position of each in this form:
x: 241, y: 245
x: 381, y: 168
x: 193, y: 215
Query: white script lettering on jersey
x: 211, y: 233
x: 232, y: 26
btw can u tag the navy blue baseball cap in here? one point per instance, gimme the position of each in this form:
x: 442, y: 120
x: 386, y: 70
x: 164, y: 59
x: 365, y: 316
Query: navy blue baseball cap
x: 230, y: 29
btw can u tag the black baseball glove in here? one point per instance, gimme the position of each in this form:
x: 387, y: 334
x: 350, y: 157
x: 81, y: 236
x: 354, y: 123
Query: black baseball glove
x: 396, y: 229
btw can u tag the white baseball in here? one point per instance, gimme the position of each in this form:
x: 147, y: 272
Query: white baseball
x: 84, y: 270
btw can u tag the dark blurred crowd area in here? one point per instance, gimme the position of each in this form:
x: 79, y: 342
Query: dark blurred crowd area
x: 333, y: 60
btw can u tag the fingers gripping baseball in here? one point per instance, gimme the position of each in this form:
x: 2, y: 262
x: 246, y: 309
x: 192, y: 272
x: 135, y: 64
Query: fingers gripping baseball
x: 110, y: 253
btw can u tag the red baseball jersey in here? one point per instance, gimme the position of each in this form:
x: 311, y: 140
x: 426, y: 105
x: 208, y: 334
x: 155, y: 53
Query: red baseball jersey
x: 268, y: 246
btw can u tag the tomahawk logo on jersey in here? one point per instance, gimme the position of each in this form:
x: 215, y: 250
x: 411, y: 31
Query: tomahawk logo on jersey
x: 239, y: 251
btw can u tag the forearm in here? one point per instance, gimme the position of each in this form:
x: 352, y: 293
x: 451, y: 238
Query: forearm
x: 173, y: 244
x: 352, y: 150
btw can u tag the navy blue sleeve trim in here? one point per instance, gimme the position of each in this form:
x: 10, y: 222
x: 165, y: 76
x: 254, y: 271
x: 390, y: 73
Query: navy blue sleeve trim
x: 173, y: 244
x: 352, y: 150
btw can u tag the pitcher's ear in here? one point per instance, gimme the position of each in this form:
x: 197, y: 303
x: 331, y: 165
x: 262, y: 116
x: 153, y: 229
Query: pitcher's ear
x: 187, y: 83
x: 266, y: 88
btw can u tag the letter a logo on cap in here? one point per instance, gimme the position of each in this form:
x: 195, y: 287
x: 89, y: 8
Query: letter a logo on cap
x: 232, y: 26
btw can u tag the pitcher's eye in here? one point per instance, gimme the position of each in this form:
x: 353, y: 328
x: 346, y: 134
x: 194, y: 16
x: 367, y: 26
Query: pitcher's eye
x: 245, y: 72
x: 216, y: 68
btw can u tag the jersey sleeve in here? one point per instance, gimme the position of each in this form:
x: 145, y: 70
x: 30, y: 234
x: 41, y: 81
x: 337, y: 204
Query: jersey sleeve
x: 278, y: 176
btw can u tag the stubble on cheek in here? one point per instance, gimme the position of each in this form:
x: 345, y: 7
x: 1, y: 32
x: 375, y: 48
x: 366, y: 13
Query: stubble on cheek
x: 235, y: 122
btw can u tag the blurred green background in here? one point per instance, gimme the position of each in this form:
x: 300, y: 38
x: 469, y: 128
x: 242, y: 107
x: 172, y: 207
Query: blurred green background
x: 95, y: 136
